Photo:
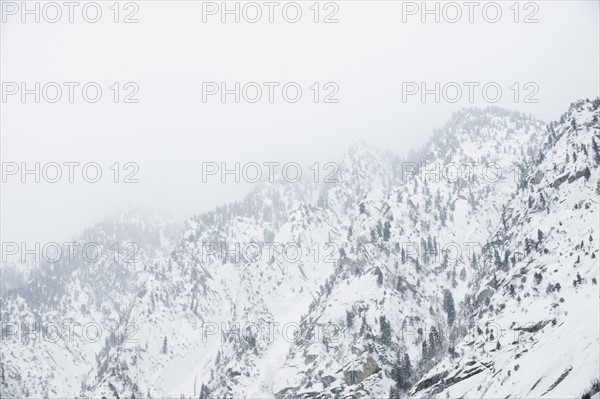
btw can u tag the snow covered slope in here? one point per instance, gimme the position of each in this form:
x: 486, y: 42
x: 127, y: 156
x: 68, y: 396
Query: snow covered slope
x: 536, y: 334
x: 53, y: 328
x: 402, y: 253
x: 467, y: 271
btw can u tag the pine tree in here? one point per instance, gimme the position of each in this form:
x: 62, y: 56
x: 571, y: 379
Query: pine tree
x: 453, y: 281
x: 379, y: 275
x: 387, y: 230
x: 164, y: 346
x: 386, y: 331
x: 349, y: 319
x: 596, y: 150
x: 204, y: 392
x: 445, y: 261
x: 435, y: 342
x: 497, y: 260
x: 405, y: 371
x: 425, y: 352
x: 448, y: 306
x: 402, y: 372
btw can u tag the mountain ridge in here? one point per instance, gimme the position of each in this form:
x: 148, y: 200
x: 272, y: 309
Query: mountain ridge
x: 355, y: 314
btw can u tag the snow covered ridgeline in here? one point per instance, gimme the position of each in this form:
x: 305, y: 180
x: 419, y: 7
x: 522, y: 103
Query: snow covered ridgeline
x: 555, y: 216
x: 56, y: 324
x: 386, y: 318
x: 381, y: 290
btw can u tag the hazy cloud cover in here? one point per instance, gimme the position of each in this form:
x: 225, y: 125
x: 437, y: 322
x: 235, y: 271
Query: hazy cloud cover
x: 369, y: 53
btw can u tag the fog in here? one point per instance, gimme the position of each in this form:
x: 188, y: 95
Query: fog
x: 171, y: 131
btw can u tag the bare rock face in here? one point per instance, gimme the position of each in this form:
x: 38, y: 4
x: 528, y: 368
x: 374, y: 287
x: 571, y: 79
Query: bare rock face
x: 355, y: 376
x: 431, y: 381
x: 537, y: 177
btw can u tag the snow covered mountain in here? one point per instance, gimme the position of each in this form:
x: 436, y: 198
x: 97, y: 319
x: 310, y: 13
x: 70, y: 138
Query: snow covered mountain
x: 403, y: 253
x: 54, y: 327
x: 537, y: 298
x: 469, y: 271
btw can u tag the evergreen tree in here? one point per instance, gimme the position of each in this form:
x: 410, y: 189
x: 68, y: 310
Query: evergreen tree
x: 424, y: 352
x: 528, y: 245
x: 386, y: 331
x: 386, y: 230
x: 379, y: 275
x: 405, y: 372
x: 402, y: 372
x: 349, y: 319
x: 506, y: 261
x: 374, y: 236
x: 596, y: 150
x: 448, y: 306
x: 445, y: 261
x: 453, y: 281
x: 164, y: 346
x: 204, y: 392
x: 435, y: 342
x: 497, y: 260
x: 474, y: 262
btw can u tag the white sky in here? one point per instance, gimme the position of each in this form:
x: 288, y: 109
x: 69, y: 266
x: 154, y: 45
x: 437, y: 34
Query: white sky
x: 170, y: 52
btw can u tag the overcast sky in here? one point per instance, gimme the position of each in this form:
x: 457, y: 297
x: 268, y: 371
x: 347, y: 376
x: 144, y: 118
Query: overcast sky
x: 368, y: 54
